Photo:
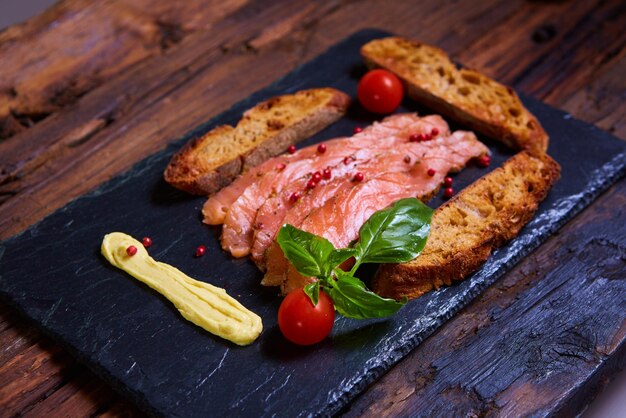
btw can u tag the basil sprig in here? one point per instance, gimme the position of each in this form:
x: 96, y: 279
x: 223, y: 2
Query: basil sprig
x: 393, y: 235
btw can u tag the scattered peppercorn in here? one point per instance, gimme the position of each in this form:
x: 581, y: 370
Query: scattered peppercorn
x: 484, y: 161
x: 295, y: 196
x: 321, y: 148
x: 146, y: 241
x: 414, y: 138
x: 327, y: 174
x: 346, y: 161
x: 358, y: 129
x: 316, y: 177
x: 358, y: 176
x: 431, y: 172
x: 291, y: 149
x: 447, y: 181
x: 311, y: 184
x: 434, y: 132
x: 448, y: 192
x: 407, y: 159
x: 200, y: 251
x: 131, y: 250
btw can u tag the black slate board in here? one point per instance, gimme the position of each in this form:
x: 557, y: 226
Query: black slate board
x: 133, y: 338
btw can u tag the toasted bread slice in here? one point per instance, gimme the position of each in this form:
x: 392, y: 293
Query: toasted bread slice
x: 467, y: 96
x: 206, y: 164
x: 467, y: 228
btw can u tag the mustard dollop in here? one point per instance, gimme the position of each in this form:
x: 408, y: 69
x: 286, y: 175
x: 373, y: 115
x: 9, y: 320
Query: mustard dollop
x: 207, y: 306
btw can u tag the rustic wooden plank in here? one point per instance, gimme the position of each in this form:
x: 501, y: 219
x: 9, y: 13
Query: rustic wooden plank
x: 534, y: 33
x: 573, y: 60
x: 28, y: 173
x: 451, y: 25
x: 48, y: 379
x: 543, y: 328
x: 62, y: 139
x: 595, y: 42
x: 84, y: 395
x: 530, y: 34
x: 134, y: 115
x: 295, y: 34
x: 33, y: 373
x: 53, y: 59
x: 596, y: 100
x: 15, y: 339
x: 515, y: 45
x: 41, y: 378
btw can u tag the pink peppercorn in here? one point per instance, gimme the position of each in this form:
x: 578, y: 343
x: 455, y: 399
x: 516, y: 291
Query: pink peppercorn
x: 484, y: 161
x: 200, y: 251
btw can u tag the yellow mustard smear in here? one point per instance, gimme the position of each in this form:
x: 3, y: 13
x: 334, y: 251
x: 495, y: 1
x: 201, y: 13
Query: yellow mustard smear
x: 207, y: 306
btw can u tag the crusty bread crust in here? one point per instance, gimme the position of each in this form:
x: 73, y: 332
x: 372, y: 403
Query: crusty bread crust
x: 466, y: 96
x: 208, y: 163
x: 465, y: 230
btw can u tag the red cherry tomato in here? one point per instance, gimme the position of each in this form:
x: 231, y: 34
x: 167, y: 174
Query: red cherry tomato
x: 380, y: 91
x: 301, y: 322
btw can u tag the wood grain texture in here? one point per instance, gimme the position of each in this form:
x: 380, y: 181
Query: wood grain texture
x: 515, y: 350
x: 89, y: 88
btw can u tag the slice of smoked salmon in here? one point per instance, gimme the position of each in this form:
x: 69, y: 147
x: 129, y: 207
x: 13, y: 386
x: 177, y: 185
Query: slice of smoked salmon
x: 215, y: 208
x: 238, y: 231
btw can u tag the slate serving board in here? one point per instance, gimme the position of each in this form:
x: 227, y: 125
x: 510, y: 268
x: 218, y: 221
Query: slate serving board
x: 137, y: 341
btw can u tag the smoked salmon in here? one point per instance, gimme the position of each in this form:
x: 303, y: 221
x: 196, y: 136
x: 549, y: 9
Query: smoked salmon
x: 402, y: 156
x: 342, y: 215
x: 239, y: 221
x: 279, y: 210
x: 216, y: 207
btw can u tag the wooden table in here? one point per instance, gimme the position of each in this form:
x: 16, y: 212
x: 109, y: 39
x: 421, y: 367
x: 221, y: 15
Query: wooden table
x: 89, y: 88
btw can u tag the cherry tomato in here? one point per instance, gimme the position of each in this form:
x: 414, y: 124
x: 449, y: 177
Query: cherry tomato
x: 380, y: 91
x: 301, y: 322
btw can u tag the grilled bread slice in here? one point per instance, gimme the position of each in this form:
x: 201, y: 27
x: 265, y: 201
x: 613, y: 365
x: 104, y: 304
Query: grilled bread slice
x: 467, y: 96
x: 467, y: 228
x: 206, y: 164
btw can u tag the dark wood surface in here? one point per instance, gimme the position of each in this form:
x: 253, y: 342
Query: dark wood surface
x: 89, y: 88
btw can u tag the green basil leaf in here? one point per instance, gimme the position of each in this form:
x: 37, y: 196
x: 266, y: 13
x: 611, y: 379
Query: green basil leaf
x: 307, y: 252
x: 313, y: 291
x: 353, y: 300
x: 396, y: 234
x: 337, y: 257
